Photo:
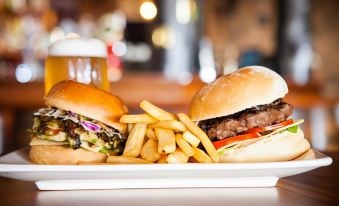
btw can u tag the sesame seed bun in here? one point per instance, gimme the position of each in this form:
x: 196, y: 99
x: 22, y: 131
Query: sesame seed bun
x: 242, y: 89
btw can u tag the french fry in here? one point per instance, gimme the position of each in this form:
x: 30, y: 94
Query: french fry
x: 149, y: 151
x: 150, y: 134
x: 190, y: 138
x: 129, y: 127
x: 166, y: 139
x: 135, y: 140
x: 137, y: 118
x: 163, y: 159
x: 122, y: 127
x: 201, y: 156
x: 155, y: 111
x: 177, y: 157
x: 169, y: 124
x: 206, y: 142
x: 184, y: 146
x: 126, y: 160
x: 144, y: 142
x: 94, y: 163
x: 192, y: 160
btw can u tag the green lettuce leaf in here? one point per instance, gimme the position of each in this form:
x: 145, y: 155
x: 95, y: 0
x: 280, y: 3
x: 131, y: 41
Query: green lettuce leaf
x: 293, y: 129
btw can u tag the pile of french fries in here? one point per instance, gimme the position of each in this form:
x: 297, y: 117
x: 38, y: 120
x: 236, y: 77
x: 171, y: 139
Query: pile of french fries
x: 158, y: 136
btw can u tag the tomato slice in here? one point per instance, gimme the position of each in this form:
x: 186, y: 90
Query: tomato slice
x: 268, y: 128
x: 250, y: 134
x: 221, y: 143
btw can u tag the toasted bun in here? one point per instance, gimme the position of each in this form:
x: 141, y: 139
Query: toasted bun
x: 242, y: 89
x: 88, y: 101
x: 62, y: 155
x: 270, y: 149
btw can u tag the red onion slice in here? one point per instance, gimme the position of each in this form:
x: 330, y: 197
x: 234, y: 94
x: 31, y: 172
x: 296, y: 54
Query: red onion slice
x: 90, y: 126
x: 72, y: 114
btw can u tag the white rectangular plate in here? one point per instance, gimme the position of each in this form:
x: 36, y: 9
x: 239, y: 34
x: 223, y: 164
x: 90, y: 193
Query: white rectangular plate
x: 16, y: 165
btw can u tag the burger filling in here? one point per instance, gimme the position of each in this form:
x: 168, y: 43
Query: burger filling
x: 54, y: 126
x: 258, y: 116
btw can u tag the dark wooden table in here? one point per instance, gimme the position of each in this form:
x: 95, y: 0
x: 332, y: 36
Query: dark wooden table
x: 317, y: 187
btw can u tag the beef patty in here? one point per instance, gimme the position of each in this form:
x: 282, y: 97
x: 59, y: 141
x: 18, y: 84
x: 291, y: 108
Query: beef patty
x: 258, y: 116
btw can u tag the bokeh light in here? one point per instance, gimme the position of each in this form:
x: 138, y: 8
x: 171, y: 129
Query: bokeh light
x: 119, y: 48
x: 23, y: 73
x: 148, y: 10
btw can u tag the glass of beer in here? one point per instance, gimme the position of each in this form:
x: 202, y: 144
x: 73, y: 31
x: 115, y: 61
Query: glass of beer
x: 78, y: 59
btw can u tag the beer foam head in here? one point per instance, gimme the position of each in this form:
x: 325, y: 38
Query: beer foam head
x: 78, y: 47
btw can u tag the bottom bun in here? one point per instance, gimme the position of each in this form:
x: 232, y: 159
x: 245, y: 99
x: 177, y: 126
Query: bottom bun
x: 308, y: 155
x: 62, y: 155
x: 278, y: 147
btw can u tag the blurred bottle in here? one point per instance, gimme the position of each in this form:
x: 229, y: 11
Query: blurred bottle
x: 296, y: 46
x: 1, y: 135
x: 229, y: 61
x: 324, y: 128
x: 78, y: 59
x: 208, y: 72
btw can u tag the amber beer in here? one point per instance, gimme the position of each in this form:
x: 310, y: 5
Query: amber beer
x: 81, y: 60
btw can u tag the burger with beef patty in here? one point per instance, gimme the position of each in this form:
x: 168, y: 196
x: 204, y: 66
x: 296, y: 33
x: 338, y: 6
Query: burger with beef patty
x: 244, y: 115
x: 80, y: 123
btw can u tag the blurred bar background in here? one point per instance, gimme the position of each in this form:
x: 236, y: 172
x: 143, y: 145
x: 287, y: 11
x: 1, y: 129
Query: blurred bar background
x: 165, y: 51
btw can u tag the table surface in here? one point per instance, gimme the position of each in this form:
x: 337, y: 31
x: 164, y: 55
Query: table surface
x: 317, y: 187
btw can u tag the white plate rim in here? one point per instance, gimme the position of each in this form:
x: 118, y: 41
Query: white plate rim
x: 321, y: 160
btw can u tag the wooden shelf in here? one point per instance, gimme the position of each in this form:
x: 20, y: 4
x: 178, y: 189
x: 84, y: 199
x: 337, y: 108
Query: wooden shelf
x: 135, y: 87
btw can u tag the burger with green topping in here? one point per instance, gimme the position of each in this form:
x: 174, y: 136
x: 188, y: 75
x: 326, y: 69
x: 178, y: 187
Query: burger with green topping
x: 80, y: 123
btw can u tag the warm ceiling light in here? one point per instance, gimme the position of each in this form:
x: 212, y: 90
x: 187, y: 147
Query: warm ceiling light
x: 148, y: 10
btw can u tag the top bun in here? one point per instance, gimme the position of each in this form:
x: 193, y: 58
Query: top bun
x: 88, y: 101
x: 245, y: 88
